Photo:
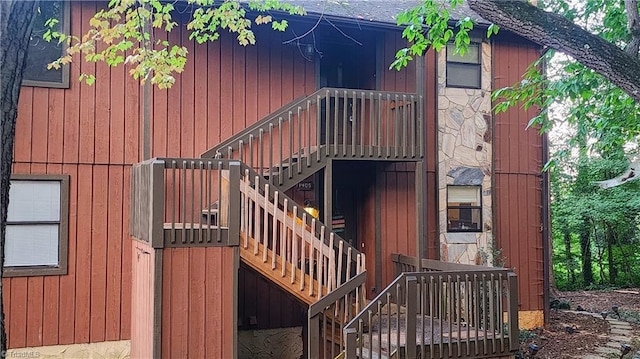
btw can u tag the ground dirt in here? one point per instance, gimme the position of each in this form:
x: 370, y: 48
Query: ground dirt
x: 570, y: 335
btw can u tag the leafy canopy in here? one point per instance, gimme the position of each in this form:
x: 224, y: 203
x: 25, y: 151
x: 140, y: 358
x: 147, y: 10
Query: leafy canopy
x: 124, y: 33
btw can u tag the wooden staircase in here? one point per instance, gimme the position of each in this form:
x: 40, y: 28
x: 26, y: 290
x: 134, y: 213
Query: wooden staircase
x: 277, y: 238
x: 288, y: 246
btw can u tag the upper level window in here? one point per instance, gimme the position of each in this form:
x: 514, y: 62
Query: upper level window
x: 464, y: 209
x: 36, y: 237
x: 42, y: 52
x: 464, y: 70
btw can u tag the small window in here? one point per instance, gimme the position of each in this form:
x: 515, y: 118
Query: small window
x: 464, y: 209
x: 464, y: 70
x: 41, y: 52
x: 36, y: 237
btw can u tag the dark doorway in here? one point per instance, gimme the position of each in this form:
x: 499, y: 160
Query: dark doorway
x: 353, y: 183
x: 344, y: 64
x: 348, y: 65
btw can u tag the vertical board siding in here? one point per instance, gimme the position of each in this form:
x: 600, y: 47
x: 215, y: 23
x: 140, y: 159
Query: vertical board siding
x: 92, y: 134
x: 398, y: 218
x: 517, y: 179
x: 89, y: 134
x: 142, y: 300
x: 198, y: 300
x: 245, y: 84
x: 262, y: 301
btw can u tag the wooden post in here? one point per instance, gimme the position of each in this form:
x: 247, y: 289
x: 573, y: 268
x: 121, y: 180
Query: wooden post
x: 156, y: 204
x: 313, y: 338
x: 412, y: 305
x: 351, y: 336
x: 234, y: 204
x: 514, y: 330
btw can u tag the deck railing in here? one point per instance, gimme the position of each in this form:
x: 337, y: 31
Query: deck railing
x: 211, y: 202
x: 439, y: 314
x: 331, y: 122
x: 178, y: 202
x: 327, y: 317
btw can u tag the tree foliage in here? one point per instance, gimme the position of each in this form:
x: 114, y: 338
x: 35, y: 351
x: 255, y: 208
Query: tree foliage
x: 124, y: 33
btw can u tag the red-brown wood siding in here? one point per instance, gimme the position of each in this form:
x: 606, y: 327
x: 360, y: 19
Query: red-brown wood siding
x: 517, y: 180
x: 396, y: 181
x: 233, y: 88
x: 92, y: 134
x: 393, y: 80
x: 198, y: 295
x: 80, y: 132
x: 142, y: 300
x: 264, y: 305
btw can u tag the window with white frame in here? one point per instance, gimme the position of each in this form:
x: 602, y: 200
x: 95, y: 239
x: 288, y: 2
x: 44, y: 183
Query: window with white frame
x: 36, y: 235
x: 464, y: 209
x: 464, y: 70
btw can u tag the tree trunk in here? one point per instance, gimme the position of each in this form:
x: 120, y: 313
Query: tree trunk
x: 560, y: 33
x: 571, y: 274
x: 585, y: 250
x: 613, y: 271
x: 16, y: 21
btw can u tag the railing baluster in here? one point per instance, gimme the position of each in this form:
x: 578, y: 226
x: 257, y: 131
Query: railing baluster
x: 303, y: 241
x: 300, y: 146
x: 309, y: 131
x: 404, y: 124
x: 420, y: 120
x: 412, y: 121
x: 251, y: 137
x: 281, y: 163
x: 174, y: 165
x: 388, y: 125
x: 332, y: 269
x: 265, y: 224
x: 261, y: 151
x: 492, y: 313
x: 319, y: 124
x: 320, y: 260
x: 345, y: 119
x: 270, y: 169
x: 396, y: 126
x: 335, y: 124
x: 340, y: 262
x: 372, y: 124
x: 283, y: 237
x: 312, y: 255
x: 256, y: 214
x: 291, y: 144
x: 354, y: 122
x: 294, y: 244
x: 274, y: 226
x: 241, y: 151
x: 362, y: 122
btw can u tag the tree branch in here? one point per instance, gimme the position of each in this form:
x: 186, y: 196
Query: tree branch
x: 561, y: 34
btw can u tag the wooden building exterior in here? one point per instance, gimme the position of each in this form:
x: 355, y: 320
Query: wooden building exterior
x: 160, y: 298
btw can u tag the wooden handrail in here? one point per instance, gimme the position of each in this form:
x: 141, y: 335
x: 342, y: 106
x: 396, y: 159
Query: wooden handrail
x: 404, y: 263
x: 458, y: 313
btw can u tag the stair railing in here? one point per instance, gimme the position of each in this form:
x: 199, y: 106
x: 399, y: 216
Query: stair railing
x: 445, y: 314
x: 327, y: 317
x: 301, y: 248
x: 331, y: 122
